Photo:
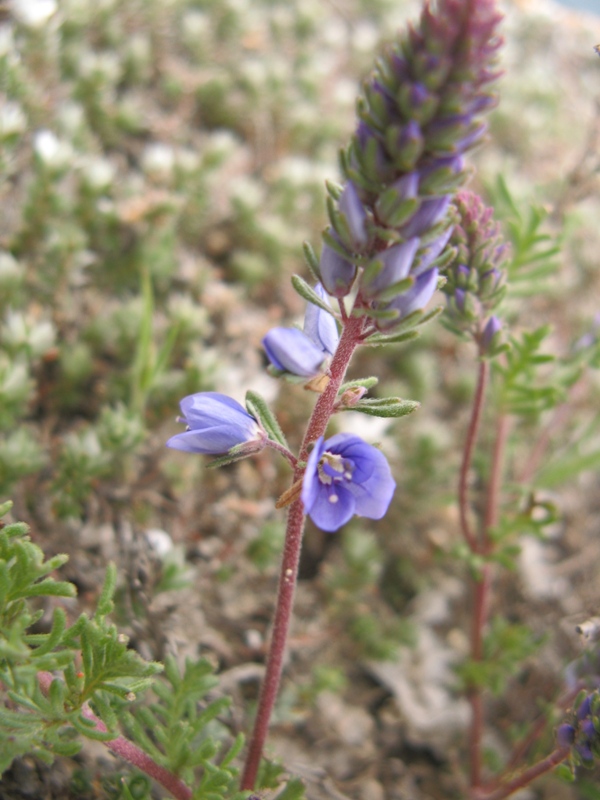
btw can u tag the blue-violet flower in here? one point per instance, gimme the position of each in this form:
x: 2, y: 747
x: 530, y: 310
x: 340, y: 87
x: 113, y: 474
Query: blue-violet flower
x: 346, y: 476
x: 216, y: 424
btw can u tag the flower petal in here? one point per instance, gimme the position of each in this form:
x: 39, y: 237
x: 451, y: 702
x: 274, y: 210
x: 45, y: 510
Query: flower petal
x: 333, y: 506
x: 310, y: 482
x: 319, y: 326
x: 290, y: 350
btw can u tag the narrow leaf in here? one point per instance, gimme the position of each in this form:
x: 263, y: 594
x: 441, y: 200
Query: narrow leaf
x: 257, y: 407
x: 309, y: 294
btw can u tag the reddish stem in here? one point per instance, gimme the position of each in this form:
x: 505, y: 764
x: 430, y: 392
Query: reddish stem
x: 128, y: 751
x: 463, y: 481
x: 524, y: 778
x: 291, y: 553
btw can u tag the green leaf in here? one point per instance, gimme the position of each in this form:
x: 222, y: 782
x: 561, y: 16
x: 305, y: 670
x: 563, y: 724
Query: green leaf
x: 257, y: 407
x: 312, y: 262
x: 309, y: 294
x: 378, y: 339
x: 105, y: 601
x: 385, y: 407
x: 366, y: 383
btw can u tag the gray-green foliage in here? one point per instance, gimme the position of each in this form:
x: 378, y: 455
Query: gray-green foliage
x: 51, y: 682
x: 89, y: 660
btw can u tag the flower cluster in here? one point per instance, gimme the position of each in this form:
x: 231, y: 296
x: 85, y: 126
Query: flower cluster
x: 419, y: 113
x: 344, y: 476
x: 582, y: 735
x: 475, y: 280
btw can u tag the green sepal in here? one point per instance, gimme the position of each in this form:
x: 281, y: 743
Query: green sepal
x: 376, y: 313
x: 395, y: 289
x: 229, y: 458
x: 332, y: 242
x: 378, y: 339
x: 385, y: 407
x: 366, y: 383
x: 392, y: 210
x: 257, y: 407
x: 334, y: 189
x: 312, y: 261
x: 308, y: 293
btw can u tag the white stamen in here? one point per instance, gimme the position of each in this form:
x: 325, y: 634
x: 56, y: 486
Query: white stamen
x: 333, y: 498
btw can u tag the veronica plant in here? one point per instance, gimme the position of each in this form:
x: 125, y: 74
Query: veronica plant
x: 419, y: 113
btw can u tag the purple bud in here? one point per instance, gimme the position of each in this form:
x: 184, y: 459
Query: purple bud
x: 337, y: 273
x: 492, y: 328
x: 565, y: 735
x: 431, y: 211
x: 588, y: 729
x: 429, y: 253
x: 397, y: 261
x: 585, y: 751
x: 355, y: 215
x: 585, y: 708
x: 462, y: 275
x: 417, y: 296
x: 459, y: 299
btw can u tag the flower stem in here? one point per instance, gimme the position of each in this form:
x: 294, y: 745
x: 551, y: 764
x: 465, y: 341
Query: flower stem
x: 291, y: 552
x: 128, y: 751
x: 524, y: 778
x: 463, y: 489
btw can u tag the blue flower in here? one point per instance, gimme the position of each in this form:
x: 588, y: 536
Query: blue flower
x: 345, y: 476
x: 304, y: 353
x: 216, y: 424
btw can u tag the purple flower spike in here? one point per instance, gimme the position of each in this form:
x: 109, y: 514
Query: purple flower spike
x: 336, y: 272
x: 321, y: 327
x: 417, y: 296
x: 355, y: 215
x: 290, y: 350
x: 431, y: 211
x: 216, y: 424
x: 346, y: 476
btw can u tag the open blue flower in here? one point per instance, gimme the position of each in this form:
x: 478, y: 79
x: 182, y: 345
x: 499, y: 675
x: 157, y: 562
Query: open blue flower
x: 216, y: 424
x: 346, y: 476
x: 304, y: 353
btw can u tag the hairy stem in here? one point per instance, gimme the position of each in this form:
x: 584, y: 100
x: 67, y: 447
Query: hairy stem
x: 291, y: 553
x: 463, y: 482
x: 128, y: 751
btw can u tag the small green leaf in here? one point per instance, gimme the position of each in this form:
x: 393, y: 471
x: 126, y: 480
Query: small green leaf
x: 312, y: 261
x: 309, y: 294
x: 378, y: 339
x: 258, y: 408
x: 366, y: 383
x: 105, y: 601
x: 385, y: 407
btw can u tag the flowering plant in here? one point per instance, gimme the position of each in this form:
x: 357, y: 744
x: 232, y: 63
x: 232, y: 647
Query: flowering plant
x: 401, y: 227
